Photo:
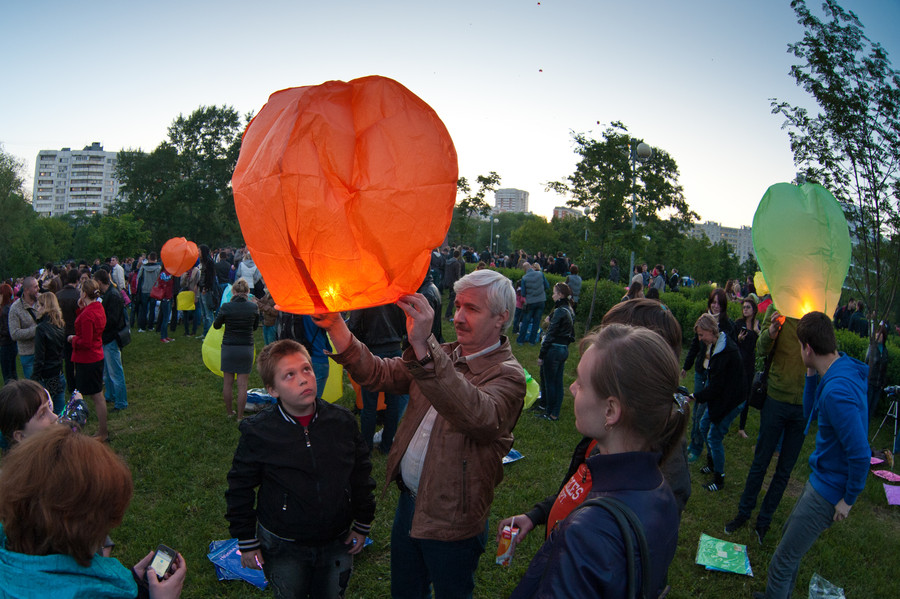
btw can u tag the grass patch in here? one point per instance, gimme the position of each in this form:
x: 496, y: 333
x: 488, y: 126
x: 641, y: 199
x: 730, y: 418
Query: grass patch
x: 179, y: 444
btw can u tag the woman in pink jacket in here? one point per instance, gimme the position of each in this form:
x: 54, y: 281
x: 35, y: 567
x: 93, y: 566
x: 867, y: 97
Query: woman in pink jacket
x: 87, y: 351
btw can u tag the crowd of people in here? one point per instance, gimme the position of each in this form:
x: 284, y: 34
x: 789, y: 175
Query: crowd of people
x: 300, y: 497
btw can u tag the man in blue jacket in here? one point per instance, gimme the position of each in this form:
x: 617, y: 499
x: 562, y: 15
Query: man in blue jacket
x: 835, y: 394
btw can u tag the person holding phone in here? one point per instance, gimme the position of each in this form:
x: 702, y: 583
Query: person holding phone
x: 61, y: 493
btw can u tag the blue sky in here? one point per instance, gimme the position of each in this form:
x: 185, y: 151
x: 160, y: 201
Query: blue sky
x: 510, y: 79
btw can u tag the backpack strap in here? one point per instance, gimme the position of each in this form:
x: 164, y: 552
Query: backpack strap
x: 631, y: 528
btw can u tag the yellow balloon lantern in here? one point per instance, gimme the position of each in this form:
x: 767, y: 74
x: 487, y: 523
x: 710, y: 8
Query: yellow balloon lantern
x: 802, y: 244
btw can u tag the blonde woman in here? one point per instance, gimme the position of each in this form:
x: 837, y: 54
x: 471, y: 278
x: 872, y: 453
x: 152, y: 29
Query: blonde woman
x: 49, y: 349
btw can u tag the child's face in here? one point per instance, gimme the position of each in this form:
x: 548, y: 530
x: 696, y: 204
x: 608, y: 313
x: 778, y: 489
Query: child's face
x: 295, y: 385
x: 42, y: 419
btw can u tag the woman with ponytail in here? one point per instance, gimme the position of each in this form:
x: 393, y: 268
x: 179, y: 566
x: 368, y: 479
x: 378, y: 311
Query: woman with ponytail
x: 637, y: 422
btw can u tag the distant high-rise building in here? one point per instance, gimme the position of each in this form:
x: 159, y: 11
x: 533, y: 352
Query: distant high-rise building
x: 740, y: 240
x: 69, y: 181
x: 510, y: 200
x: 565, y: 212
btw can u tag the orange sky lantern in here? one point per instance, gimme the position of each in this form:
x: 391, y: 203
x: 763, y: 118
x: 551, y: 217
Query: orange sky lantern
x: 178, y: 255
x: 342, y: 190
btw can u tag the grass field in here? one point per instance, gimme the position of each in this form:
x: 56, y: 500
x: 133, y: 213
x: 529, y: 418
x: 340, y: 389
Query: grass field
x: 179, y: 443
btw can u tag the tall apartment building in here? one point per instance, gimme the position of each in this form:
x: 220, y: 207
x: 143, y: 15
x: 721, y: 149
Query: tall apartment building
x: 69, y: 181
x: 740, y: 240
x: 510, y: 200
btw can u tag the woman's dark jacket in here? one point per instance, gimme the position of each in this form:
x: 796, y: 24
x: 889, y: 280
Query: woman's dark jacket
x: 49, y: 349
x: 727, y: 384
x: 585, y: 556
x: 240, y: 317
x: 561, y: 329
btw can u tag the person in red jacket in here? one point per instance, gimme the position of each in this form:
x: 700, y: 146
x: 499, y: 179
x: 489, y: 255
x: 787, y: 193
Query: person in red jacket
x: 87, y: 351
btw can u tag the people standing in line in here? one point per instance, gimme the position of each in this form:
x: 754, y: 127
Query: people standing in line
x: 381, y: 329
x: 834, y: 394
x: 269, y: 318
x: 166, y: 284
x: 781, y: 418
x: 190, y: 312
x: 146, y: 280
x: 49, y: 349
x: 87, y: 352
x: 116, y: 273
x: 659, y: 278
x: 240, y: 317
x: 8, y: 350
x: 674, y: 280
x: 724, y: 395
x: 116, y: 391
x: 23, y: 324
x: 534, y: 287
x: 68, y: 298
x: 747, y: 333
x: 466, y: 397
x: 555, y: 349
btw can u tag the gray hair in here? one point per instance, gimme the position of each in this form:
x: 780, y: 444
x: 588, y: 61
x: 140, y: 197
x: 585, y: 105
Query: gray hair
x: 500, y: 293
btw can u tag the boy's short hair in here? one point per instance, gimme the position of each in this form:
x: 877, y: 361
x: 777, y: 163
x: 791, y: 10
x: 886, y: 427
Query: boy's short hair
x: 816, y: 330
x: 272, y: 354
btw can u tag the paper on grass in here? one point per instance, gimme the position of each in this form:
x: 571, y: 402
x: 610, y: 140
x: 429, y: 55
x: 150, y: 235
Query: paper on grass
x: 723, y: 556
x: 875, y: 461
x: 512, y: 456
x: 887, y: 475
x: 893, y: 494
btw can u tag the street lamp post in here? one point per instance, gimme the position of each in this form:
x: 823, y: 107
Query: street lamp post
x: 491, y: 238
x: 497, y: 236
x: 642, y: 152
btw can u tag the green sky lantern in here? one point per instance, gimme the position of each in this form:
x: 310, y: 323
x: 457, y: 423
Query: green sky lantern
x: 802, y: 244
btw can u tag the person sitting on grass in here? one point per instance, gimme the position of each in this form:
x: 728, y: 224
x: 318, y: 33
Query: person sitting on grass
x: 300, y: 491
x: 61, y: 493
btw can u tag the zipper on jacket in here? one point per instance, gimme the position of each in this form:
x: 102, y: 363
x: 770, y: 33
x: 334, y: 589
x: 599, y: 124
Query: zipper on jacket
x: 306, y: 434
x: 284, y: 503
x: 464, y: 485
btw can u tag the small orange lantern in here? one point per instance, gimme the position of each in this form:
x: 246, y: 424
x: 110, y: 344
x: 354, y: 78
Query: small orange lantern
x: 179, y: 255
x: 342, y: 190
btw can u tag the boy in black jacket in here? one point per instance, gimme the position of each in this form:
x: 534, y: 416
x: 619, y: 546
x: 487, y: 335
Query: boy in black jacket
x: 305, y: 466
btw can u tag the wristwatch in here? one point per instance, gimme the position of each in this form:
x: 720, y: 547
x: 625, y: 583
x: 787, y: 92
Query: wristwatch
x: 426, y: 360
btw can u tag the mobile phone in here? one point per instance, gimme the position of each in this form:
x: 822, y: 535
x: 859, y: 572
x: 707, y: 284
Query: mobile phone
x: 162, y: 561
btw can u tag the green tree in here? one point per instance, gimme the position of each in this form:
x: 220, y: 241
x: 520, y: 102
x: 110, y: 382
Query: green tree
x: 535, y: 235
x: 608, y: 183
x: 183, y: 187
x: 471, y: 204
x: 18, y: 254
x: 852, y: 146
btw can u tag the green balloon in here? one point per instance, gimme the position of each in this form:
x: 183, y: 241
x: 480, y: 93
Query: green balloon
x: 802, y: 244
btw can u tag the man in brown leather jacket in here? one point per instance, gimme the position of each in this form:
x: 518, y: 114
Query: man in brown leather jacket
x: 465, y: 399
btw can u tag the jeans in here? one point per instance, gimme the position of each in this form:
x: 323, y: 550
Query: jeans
x: 69, y: 368
x: 27, y: 365
x: 189, y: 317
x: 8, y: 355
x: 716, y: 434
x: 418, y: 564
x: 269, y: 334
x: 395, y: 405
x: 321, y: 371
x: 698, y: 435
x: 295, y: 570
x: 873, y: 393
x: 777, y: 417
x: 532, y: 320
x: 207, y: 310
x: 451, y: 304
x: 164, y: 315
x: 812, y: 515
x: 517, y: 320
x: 114, y: 375
x: 147, y: 315
x: 552, y: 377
